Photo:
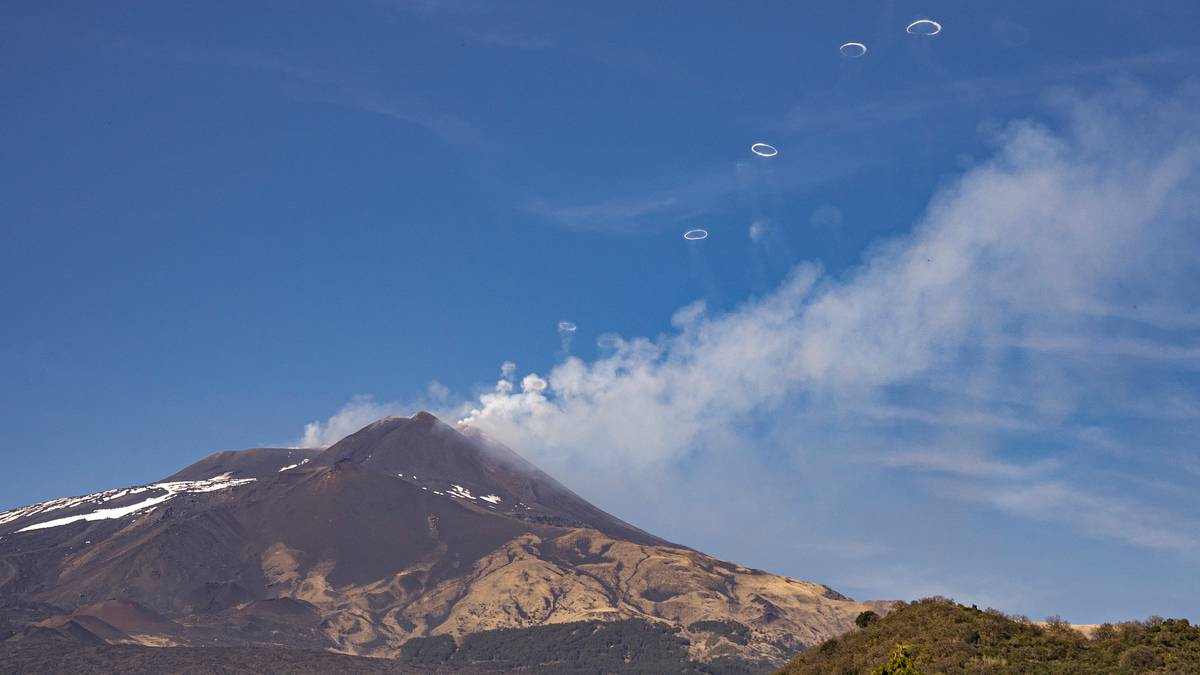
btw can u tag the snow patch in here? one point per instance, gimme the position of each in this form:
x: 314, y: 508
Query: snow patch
x: 460, y: 491
x: 170, y: 488
x: 491, y: 498
x: 292, y: 466
x: 66, y: 503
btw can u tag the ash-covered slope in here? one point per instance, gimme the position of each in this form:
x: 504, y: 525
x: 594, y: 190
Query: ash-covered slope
x: 257, y: 463
x: 407, y: 528
x: 184, y: 550
x: 429, y: 453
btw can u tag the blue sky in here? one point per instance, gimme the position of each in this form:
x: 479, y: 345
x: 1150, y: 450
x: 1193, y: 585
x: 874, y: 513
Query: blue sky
x: 944, y: 342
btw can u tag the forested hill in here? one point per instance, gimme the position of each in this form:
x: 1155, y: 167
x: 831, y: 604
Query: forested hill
x: 935, y: 636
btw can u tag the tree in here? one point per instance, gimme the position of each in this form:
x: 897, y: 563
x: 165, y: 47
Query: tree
x: 899, y: 663
x: 866, y: 619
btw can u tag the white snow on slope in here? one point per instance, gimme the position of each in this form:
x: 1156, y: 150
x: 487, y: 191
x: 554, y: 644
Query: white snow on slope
x: 304, y: 461
x: 491, y: 498
x: 66, y: 503
x: 101, y: 514
x: 171, y: 488
x: 460, y: 491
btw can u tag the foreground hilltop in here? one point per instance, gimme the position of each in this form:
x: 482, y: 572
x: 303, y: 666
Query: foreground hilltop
x: 405, y: 529
x: 936, y: 635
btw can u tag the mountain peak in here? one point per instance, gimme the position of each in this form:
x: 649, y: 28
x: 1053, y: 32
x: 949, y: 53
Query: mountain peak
x: 419, y: 417
x: 400, y: 442
x: 437, y: 457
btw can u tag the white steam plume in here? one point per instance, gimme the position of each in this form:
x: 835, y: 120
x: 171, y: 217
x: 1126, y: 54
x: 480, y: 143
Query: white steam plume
x: 1047, y: 287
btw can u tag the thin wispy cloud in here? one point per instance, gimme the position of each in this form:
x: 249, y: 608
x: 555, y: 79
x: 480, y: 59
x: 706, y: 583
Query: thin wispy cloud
x: 964, y: 463
x: 967, y: 586
x: 438, y: 7
x: 657, y: 209
x: 492, y: 26
x: 1103, y: 516
x: 937, y: 98
x: 650, y: 209
x: 355, y: 89
x: 505, y: 37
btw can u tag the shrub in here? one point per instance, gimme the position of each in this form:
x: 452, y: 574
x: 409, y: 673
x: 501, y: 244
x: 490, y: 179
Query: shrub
x: 1140, y: 658
x: 899, y: 663
x: 436, y: 649
x: 866, y: 619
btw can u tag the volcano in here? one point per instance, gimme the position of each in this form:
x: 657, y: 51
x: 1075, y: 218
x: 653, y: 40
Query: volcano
x: 408, y: 528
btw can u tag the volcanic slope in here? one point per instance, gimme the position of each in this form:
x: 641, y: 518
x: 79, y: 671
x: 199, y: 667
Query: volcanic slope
x: 407, y: 528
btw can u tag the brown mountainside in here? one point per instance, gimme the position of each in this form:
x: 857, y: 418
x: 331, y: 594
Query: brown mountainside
x: 407, y: 528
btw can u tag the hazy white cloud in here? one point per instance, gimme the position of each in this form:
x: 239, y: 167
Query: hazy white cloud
x: 364, y: 409
x: 1008, y: 310
x: 358, y: 413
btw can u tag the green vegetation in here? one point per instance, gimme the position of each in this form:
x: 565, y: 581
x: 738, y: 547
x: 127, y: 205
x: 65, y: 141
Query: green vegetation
x: 936, y: 636
x: 865, y: 619
x: 900, y: 663
x: 575, y: 649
